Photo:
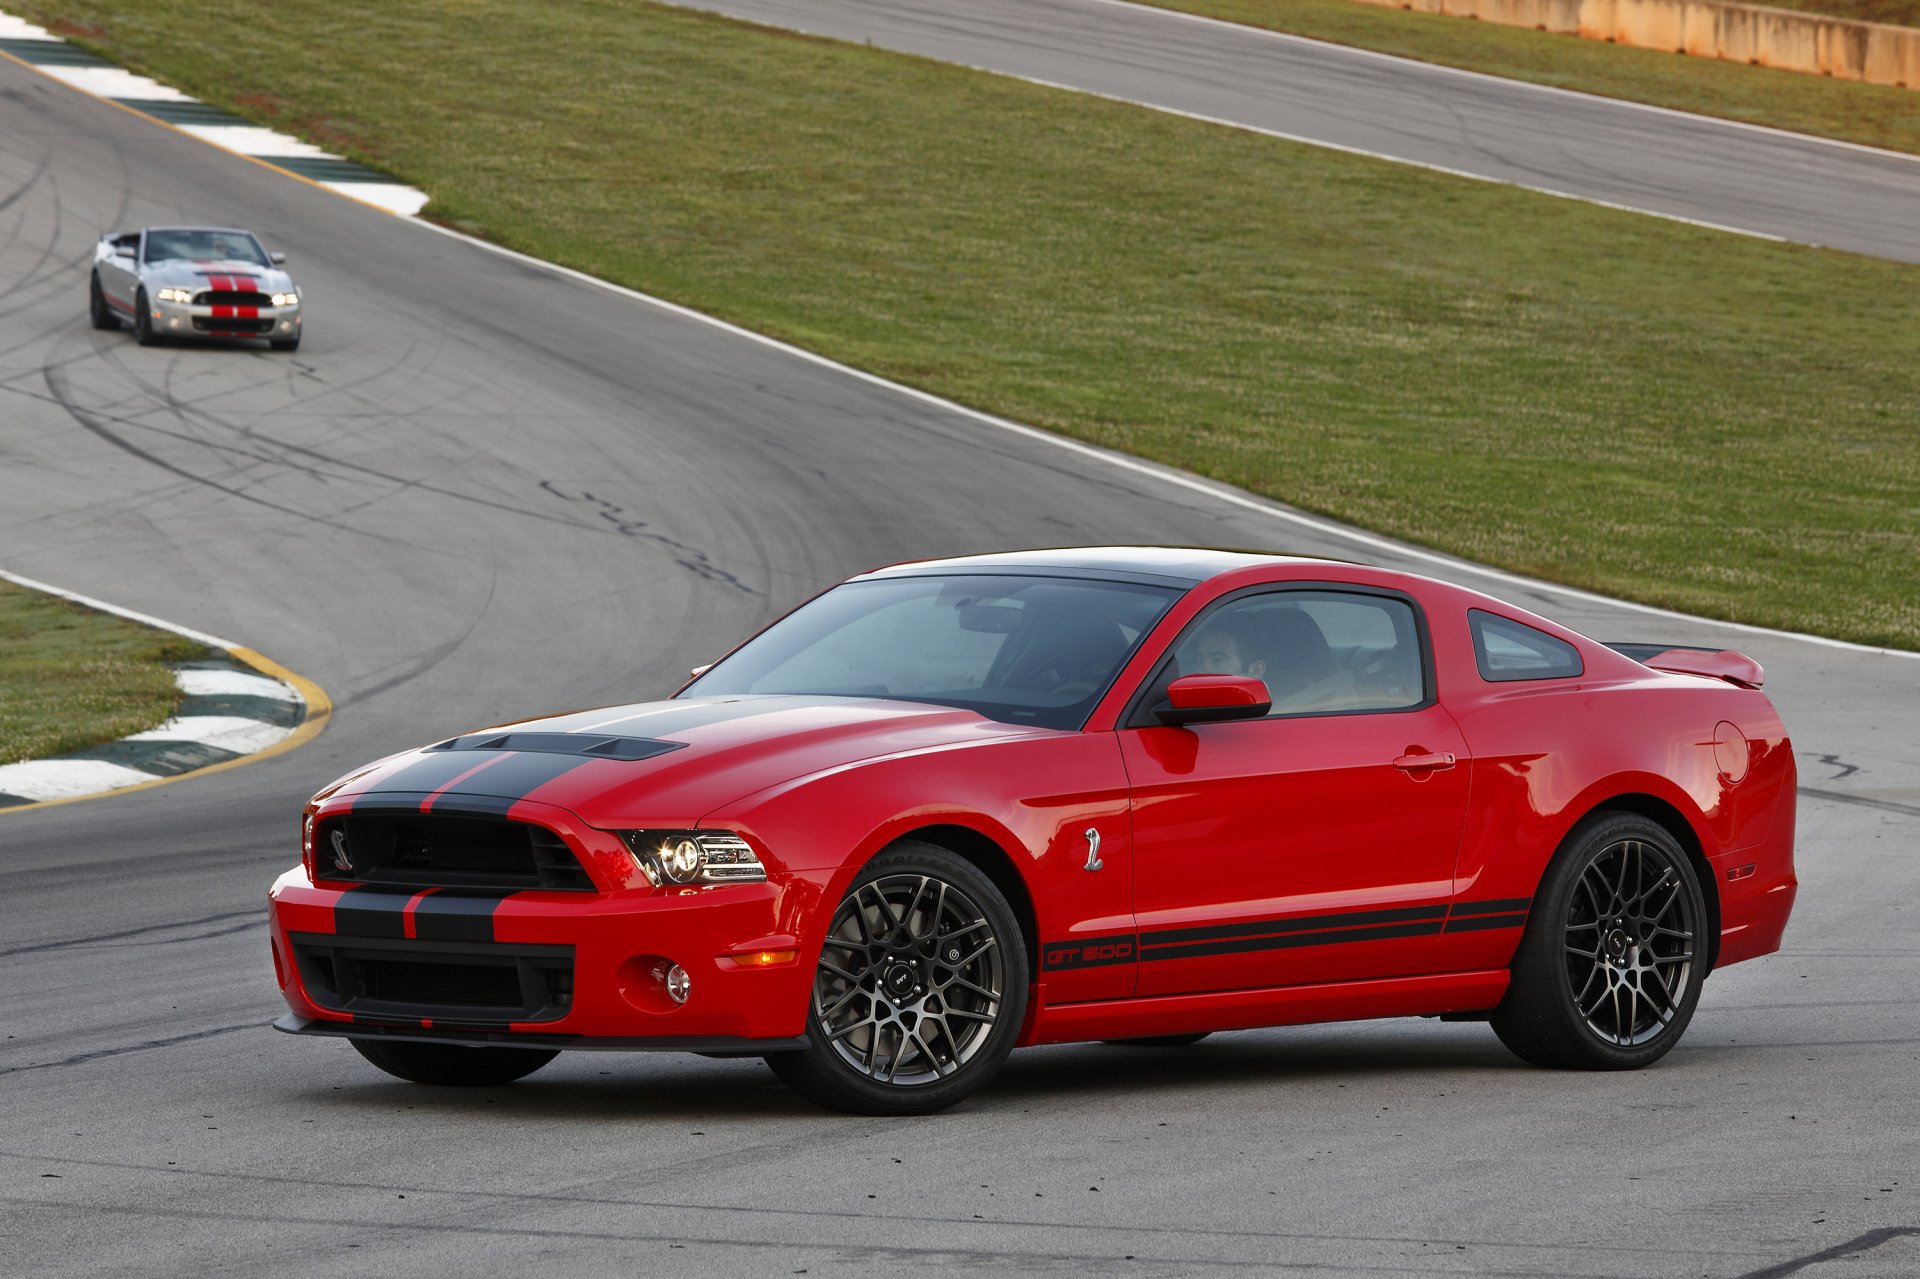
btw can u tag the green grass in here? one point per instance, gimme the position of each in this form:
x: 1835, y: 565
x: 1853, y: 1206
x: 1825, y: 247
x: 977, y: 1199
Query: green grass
x: 71, y: 677
x: 1872, y: 114
x: 1697, y: 420
x: 1900, y: 13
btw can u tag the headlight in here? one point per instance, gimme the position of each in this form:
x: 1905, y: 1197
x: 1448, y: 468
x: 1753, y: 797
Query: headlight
x: 694, y: 857
x: 285, y: 299
x: 171, y: 294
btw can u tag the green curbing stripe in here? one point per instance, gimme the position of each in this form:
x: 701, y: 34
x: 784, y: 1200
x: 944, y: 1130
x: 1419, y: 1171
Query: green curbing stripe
x: 271, y: 710
x: 328, y: 169
x: 13, y: 801
x: 52, y: 53
x: 185, y: 112
x: 162, y: 759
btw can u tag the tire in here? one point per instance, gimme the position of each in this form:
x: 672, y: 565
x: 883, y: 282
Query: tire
x: 452, y: 1064
x: 97, y: 309
x: 1609, y: 970
x: 143, y: 321
x: 1160, y: 1041
x: 893, y: 966
x: 284, y: 344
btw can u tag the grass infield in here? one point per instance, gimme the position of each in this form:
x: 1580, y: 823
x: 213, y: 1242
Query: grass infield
x: 1871, y: 114
x: 71, y: 677
x: 1697, y: 420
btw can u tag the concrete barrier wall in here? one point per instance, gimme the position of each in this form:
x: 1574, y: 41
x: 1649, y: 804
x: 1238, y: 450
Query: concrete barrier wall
x: 1875, y: 52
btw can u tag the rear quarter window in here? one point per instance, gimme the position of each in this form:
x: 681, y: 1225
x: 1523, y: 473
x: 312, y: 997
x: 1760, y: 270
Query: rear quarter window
x: 1508, y: 650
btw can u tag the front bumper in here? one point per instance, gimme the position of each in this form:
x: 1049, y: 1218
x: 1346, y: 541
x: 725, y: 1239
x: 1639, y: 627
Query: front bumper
x: 540, y: 968
x: 185, y: 320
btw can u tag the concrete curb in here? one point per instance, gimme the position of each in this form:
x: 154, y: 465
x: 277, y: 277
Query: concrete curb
x: 239, y: 707
x: 52, y: 56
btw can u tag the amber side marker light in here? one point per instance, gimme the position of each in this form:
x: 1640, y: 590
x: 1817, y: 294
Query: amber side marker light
x: 764, y: 958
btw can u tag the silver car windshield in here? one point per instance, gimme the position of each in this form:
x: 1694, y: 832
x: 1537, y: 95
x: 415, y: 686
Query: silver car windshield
x: 1024, y: 650
x: 205, y: 246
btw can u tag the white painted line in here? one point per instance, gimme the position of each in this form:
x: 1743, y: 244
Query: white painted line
x: 39, y: 779
x: 230, y: 683
x: 391, y: 196
x: 211, y: 641
x: 1289, y: 37
x: 228, y: 732
x: 12, y: 28
x: 112, y: 82
x: 252, y: 140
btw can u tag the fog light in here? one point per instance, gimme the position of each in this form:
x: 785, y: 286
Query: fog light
x: 678, y: 984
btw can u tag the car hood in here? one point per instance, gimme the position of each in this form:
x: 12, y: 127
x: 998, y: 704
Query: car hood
x: 183, y: 273
x: 667, y: 763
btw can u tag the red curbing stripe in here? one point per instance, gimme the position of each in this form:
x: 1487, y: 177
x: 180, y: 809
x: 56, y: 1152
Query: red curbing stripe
x: 406, y: 912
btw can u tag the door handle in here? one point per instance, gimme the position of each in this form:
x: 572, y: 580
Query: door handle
x: 1422, y: 762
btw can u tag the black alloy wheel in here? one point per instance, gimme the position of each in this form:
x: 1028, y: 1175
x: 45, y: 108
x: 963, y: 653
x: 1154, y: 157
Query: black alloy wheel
x: 1609, y: 971
x: 454, y: 1065
x: 143, y: 320
x: 97, y: 309
x: 920, y: 992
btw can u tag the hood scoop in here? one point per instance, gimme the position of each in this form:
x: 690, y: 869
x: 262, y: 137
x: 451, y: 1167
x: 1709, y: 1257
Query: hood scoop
x: 592, y: 745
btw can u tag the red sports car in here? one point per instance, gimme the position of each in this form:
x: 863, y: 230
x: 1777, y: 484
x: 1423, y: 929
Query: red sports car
x: 950, y: 808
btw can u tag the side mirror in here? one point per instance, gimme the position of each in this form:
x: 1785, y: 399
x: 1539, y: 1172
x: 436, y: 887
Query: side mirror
x: 277, y: 259
x: 1208, y: 699
x: 123, y: 250
x: 698, y: 671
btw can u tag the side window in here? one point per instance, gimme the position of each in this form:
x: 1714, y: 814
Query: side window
x: 1319, y: 652
x: 1509, y: 650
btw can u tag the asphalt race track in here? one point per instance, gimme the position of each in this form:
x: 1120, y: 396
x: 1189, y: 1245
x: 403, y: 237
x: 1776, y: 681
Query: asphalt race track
x: 483, y: 490
x: 1684, y: 166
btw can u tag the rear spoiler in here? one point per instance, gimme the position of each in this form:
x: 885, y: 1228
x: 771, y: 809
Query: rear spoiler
x: 1715, y: 663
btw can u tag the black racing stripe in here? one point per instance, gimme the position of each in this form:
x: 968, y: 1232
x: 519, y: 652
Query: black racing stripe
x: 516, y: 776
x: 410, y: 802
x: 1486, y: 921
x: 1505, y: 906
x: 1088, y: 952
x: 1288, y: 941
x: 1295, y: 924
x: 426, y: 774
x: 457, y: 915
x: 371, y: 910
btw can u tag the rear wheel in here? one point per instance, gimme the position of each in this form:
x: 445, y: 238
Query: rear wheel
x: 1615, y: 953
x: 920, y: 992
x: 143, y: 320
x: 452, y: 1064
x: 97, y: 309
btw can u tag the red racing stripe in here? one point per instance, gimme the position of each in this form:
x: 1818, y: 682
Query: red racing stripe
x: 406, y: 914
x: 426, y: 805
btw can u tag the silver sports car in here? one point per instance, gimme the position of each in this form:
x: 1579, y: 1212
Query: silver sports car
x: 193, y: 282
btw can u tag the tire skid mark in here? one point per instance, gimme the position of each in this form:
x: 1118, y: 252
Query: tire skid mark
x: 80, y: 1059
x: 1851, y: 1248
x: 124, y: 933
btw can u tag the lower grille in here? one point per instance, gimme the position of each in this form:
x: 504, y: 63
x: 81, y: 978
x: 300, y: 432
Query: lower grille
x: 435, y: 981
x: 227, y: 324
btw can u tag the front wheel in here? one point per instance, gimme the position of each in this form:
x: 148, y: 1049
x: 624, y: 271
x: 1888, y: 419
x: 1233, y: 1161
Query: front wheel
x: 98, y: 311
x: 452, y: 1064
x: 920, y: 992
x: 143, y: 320
x: 1615, y: 952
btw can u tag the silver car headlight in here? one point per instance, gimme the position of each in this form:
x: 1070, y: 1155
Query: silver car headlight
x: 285, y: 299
x: 694, y: 857
x: 172, y: 294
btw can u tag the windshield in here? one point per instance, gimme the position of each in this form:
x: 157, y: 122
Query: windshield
x: 1024, y: 650
x: 204, y: 246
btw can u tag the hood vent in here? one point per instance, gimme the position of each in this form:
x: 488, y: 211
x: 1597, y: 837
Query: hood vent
x: 592, y: 745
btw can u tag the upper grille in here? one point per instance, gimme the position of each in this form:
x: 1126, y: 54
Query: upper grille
x: 445, y: 850
x: 223, y: 297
